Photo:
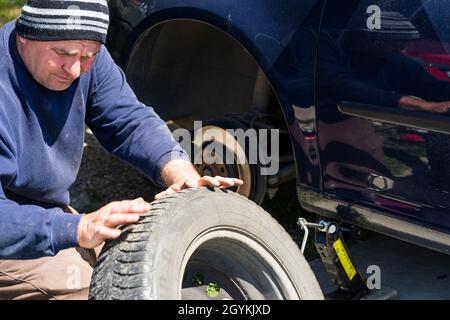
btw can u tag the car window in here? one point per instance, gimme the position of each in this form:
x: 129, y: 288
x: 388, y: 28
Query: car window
x: 387, y: 53
x: 382, y: 102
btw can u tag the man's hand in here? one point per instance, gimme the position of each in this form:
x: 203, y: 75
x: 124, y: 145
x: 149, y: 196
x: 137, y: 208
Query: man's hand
x: 420, y: 104
x: 181, y: 174
x: 435, y: 107
x: 98, y: 226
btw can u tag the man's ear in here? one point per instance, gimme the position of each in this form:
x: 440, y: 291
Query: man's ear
x: 22, y: 40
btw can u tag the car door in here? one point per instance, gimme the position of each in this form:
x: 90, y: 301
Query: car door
x: 382, y: 92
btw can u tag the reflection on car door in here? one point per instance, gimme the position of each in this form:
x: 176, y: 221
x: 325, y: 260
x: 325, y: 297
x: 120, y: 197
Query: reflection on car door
x: 382, y: 105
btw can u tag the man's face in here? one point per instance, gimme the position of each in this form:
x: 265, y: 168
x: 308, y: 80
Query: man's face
x: 56, y: 64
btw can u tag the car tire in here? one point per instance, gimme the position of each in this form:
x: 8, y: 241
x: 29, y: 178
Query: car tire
x: 198, y: 237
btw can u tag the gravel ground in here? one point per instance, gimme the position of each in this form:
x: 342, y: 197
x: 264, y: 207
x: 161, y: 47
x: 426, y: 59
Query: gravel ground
x: 104, y: 178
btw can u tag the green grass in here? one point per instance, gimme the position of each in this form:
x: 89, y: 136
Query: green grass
x: 9, y: 9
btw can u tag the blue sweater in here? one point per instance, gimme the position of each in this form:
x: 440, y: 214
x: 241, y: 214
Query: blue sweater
x: 41, y: 146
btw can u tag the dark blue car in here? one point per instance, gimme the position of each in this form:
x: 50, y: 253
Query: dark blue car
x: 359, y: 91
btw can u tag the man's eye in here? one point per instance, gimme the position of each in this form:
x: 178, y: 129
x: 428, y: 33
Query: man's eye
x: 87, y: 58
x: 62, y: 54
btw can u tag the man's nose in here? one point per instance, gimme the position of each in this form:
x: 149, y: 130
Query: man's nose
x: 73, y: 68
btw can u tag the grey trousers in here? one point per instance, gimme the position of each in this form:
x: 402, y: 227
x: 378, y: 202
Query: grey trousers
x: 66, y: 275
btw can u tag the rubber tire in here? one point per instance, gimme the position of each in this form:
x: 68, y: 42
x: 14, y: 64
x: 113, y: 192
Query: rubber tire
x: 149, y: 258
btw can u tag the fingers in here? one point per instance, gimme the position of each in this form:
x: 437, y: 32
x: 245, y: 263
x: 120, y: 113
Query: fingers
x: 177, y: 186
x: 165, y: 193
x: 108, y: 233
x: 218, y: 181
x: 229, y: 182
x: 117, y: 219
x: 440, y: 107
x: 205, y: 181
x: 160, y: 195
x: 444, y: 108
x: 191, y: 183
x: 183, y: 184
x: 439, y: 110
x: 96, y: 227
x: 123, y: 212
x: 138, y: 205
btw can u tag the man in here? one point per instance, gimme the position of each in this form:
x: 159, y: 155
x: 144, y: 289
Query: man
x: 55, y: 76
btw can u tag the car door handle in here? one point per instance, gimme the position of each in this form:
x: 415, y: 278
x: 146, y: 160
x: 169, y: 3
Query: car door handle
x: 408, y: 118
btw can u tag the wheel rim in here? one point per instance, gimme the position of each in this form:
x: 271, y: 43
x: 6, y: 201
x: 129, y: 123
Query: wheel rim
x: 235, y: 266
x: 240, y: 167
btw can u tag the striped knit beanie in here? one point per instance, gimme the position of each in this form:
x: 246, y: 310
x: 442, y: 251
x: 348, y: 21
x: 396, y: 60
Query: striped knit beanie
x: 56, y: 20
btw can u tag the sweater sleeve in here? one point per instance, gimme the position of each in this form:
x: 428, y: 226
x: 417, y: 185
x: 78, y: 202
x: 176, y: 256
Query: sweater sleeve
x: 126, y: 127
x: 336, y: 78
x: 30, y: 231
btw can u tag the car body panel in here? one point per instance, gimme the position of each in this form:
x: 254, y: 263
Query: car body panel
x: 380, y: 166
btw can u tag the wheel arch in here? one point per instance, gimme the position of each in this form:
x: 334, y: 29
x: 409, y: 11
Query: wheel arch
x: 247, y: 45
x: 220, y: 27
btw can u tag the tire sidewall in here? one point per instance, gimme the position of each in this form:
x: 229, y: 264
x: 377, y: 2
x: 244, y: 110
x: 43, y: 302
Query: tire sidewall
x: 208, y: 211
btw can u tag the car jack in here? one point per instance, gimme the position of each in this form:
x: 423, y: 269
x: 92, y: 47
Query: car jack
x: 333, y: 251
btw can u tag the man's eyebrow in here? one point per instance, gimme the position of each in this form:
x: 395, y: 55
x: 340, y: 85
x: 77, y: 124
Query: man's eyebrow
x: 74, y: 52
x: 93, y: 54
x: 67, y: 52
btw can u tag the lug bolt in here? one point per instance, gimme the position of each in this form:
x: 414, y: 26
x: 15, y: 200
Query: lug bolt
x: 332, y: 229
